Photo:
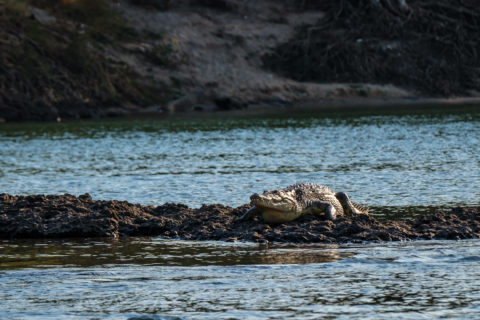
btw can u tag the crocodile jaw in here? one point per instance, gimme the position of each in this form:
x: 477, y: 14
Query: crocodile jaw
x: 280, y: 202
x: 276, y: 208
x: 275, y: 216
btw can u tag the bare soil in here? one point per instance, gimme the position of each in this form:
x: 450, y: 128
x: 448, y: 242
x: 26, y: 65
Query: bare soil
x: 65, y: 216
x: 70, y: 59
x: 219, y: 47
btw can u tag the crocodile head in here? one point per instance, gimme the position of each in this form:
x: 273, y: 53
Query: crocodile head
x: 278, y: 200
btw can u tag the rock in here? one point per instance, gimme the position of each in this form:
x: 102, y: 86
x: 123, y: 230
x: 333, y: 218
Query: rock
x: 156, y: 4
x: 43, y: 17
x: 228, y: 103
x: 203, y: 100
x: 222, y: 5
x: 115, y: 112
x: 203, y: 107
x: 137, y: 47
x: 152, y: 109
x: 188, y: 101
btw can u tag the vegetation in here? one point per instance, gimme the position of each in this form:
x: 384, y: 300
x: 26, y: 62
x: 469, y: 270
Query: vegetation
x: 431, y: 46
x: 50, y: 70
x: 88, y: 59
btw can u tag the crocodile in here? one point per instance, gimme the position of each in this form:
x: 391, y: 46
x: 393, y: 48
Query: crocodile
x: 292, y: 202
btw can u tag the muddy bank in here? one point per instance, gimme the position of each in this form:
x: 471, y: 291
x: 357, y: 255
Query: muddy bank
x: 55, y: 62
x: 63, y: 59
x: 62, y: 216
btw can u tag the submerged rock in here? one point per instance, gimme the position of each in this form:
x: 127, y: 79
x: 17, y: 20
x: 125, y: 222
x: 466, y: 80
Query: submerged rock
x: 62, y: 216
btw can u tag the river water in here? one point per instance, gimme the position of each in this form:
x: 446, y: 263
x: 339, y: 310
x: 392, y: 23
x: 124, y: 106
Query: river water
x: 392, y: 162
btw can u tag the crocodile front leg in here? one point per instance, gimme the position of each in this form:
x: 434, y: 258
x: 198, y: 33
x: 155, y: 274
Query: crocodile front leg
x: 320, y: 208
x: 248, y: 215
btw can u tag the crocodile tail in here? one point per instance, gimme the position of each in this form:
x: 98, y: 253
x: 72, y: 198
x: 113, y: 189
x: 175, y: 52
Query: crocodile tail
x: 360, y: 207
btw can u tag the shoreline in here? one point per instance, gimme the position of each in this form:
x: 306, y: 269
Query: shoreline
x: 191, y: 58
x: 363, y: 105
x: 345, y: 105
x: 68, y: 216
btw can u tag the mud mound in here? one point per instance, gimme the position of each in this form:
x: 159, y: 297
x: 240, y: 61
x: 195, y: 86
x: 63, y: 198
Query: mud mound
x: 64, y: 216
x: 427, y: 45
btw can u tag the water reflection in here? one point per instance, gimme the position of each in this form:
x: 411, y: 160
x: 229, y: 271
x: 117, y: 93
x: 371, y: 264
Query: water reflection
x: 21, y: 254
x: 431, y: 279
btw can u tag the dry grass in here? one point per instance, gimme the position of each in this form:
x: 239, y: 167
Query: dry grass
x: 428, y: 45
x: 66, y: 61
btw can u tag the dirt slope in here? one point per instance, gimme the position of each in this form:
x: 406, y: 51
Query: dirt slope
x: 220, y: 49
x: 68, y: 59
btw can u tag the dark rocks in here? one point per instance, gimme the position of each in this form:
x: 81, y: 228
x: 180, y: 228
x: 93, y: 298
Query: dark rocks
x: 62, y: 216
x: 43, y: 17
x: 155, y: 4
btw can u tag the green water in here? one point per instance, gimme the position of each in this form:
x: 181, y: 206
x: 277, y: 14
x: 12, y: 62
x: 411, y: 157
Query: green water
x: 384, y: 160
x: 396, y: 163
x: 158, y: 279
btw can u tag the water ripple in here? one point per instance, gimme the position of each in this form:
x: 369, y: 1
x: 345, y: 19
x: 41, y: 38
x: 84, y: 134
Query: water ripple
x: 376, y: 281
x: 414, y: 159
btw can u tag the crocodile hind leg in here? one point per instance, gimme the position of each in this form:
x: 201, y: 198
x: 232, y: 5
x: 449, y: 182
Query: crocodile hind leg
x: 348, y: 207
x: 320, y: 208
